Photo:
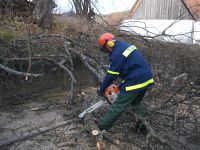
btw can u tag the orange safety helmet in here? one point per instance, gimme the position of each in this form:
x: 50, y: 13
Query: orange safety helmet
x: 104, y: 38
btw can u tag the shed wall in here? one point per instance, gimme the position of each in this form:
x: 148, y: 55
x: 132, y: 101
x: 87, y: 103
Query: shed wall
x: 162, y: 9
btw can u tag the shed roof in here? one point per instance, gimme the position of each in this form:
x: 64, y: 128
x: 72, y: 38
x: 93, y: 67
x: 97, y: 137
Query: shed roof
x: 194, y: 7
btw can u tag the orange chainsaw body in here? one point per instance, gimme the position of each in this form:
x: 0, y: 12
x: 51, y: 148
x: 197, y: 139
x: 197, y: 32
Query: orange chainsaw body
x: 111, y: 93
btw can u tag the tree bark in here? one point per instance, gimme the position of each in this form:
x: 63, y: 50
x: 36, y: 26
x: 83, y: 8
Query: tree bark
x: 43, y: 13
x: 83, y: 7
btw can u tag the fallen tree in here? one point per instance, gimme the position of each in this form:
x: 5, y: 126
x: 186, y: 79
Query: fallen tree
x: 173, y: 107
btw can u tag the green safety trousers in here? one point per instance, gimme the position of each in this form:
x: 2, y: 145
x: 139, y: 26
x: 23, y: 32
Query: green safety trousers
x: 120, y: 105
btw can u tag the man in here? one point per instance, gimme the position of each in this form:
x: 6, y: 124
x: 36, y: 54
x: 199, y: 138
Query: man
x: 126, y: 62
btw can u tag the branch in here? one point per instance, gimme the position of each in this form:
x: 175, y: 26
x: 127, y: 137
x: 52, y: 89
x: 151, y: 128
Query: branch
x: 64, y: 68
x: 99, y: 74
x: 29, y: 52
x: 151, y: 132
x: 19, y: 73
x: 68, y: 54
x: 36, y: 57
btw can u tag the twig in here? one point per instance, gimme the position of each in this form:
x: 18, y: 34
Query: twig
x: 68, y: 54
x: 29, y: 52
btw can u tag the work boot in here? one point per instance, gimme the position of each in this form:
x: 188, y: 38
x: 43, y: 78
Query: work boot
x: 140, y: 128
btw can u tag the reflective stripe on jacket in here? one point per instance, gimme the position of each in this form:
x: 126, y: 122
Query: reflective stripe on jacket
x: 127, y: 62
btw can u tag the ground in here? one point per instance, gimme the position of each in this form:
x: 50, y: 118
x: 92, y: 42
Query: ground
x: 49, y: 108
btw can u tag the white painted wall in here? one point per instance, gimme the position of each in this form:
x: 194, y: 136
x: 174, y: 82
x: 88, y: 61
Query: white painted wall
x: 179, y: 31
x: 196, y: 36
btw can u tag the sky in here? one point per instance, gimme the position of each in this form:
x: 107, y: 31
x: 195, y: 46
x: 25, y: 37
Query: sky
x: 104, y: 6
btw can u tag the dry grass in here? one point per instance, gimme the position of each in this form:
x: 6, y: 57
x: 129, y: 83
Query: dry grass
x: 10, y: 29
x: 70, y: 26
x: 82, y: 25
x: 74, y: 25
x: 116, y: 18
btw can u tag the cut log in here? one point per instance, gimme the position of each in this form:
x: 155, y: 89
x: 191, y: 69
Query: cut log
x: 92, y: 128
x: 98, y: 135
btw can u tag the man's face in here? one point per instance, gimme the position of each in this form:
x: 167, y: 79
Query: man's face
x: 104, y: 49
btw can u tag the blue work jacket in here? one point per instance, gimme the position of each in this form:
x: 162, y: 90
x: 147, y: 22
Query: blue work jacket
x: 127, y: 62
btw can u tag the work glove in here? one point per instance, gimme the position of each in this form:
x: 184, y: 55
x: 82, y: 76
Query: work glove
x: 99, y: 93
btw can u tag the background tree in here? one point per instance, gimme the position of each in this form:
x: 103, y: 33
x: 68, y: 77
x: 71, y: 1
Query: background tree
x: 42, y: 13
x: 84, y: 8
x: 13, y: 8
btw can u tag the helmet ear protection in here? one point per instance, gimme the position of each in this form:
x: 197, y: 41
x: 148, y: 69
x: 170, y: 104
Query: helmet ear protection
x: 111, y: 43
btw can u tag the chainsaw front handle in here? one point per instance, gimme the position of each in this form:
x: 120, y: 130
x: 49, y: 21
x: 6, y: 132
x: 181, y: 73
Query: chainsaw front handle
x: 107, y: 100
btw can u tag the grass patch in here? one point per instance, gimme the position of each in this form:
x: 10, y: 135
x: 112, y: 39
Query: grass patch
x: 7, y: 34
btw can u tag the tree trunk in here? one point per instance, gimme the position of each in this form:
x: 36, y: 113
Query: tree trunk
x: 83, y: 7
x: 42, y: 13
x: 13, y: 8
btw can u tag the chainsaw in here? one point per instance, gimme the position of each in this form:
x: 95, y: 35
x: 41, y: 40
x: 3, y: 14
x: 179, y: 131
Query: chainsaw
x: 110, y: 95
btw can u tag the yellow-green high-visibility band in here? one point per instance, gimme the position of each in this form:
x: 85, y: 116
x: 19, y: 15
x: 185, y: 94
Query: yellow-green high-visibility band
x: 138, y: 86
x: 112, y: 72
x: 129, y: 50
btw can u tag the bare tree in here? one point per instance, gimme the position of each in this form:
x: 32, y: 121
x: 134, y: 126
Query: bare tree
x: 12, y: 8
x: 43, y: 13
x: 84, y: 8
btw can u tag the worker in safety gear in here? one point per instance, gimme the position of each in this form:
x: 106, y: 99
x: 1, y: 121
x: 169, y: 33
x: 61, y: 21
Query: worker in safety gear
x: 126, y: 62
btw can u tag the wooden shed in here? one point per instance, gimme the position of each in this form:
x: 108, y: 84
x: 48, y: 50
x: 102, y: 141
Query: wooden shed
x: 166, y: 9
